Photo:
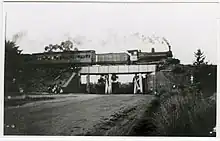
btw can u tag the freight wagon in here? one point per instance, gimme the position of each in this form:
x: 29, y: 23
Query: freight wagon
x: 112, y: 58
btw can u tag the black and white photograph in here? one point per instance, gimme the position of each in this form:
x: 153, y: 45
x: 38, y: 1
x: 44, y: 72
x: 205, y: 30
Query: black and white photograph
x: 95, y: 68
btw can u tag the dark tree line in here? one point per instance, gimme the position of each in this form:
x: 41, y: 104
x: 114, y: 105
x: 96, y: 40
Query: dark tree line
x: 13, y: 65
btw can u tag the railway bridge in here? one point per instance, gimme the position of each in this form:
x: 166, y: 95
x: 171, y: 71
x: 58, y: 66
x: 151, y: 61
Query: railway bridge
x: 130, y: 62
x: 108, y: 70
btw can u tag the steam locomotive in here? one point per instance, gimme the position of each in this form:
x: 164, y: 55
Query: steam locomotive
x: 89, y: 57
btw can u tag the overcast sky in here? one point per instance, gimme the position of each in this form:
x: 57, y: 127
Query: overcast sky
x: 116, y: 27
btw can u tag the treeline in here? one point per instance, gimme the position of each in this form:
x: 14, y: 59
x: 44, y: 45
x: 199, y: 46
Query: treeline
x: 13, y: 66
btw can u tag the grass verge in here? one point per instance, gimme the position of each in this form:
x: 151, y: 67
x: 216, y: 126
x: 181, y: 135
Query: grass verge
x: 184, y: 113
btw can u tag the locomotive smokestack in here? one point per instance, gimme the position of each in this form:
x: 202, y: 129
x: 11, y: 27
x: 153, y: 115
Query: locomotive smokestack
x: 152, y: 50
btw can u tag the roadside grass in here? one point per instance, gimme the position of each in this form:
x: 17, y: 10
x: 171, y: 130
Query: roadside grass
x: 146, y: 126
x: 185, y: 113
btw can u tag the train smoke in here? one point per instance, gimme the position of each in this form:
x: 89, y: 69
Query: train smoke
x: 18, y: 36
x: 135, y: 40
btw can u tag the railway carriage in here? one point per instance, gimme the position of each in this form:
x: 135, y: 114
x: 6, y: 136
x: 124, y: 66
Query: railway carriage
x: 86, y: 57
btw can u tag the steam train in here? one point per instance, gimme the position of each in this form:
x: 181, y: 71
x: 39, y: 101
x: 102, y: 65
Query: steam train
x: 89, y: 57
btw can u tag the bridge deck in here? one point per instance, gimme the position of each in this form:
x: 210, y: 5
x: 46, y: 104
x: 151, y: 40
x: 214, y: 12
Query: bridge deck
x: 117, y: 69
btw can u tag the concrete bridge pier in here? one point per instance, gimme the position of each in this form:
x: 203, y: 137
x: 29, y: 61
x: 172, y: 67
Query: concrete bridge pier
x: 138, y: 83
x: 88, y: 83
x: 108, y: 84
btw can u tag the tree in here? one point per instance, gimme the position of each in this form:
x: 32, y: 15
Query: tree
x: 114, y: 77
x: 200, y: 57
x: 101, y: 80
x: 199, y: 65
x: 67, y: 45
x: 101, y: 85
x: 63, y: 46
x: 13, y: 65
x: 76, y: 49
x: 13, y: 59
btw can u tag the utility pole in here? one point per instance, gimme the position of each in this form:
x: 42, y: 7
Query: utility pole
x: 5, y: 24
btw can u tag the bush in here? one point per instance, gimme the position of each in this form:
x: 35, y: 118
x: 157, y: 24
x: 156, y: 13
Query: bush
x: 205, y: 76
x: 187, y: 115
x: 178, y: 69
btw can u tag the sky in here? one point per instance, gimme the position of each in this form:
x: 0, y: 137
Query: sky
x: 116, y: 27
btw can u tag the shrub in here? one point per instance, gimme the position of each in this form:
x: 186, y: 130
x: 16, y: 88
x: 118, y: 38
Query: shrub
x: 178, y: 69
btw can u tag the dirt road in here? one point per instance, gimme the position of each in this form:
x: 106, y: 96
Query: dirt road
x: 77, y: 115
